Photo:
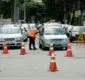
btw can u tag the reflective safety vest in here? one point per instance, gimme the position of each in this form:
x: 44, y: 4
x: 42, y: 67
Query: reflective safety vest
x: 33, y: 33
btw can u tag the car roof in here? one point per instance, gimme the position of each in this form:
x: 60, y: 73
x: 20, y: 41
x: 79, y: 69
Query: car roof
x: 53, y: 27
x: 6, y: 25
x: 51, y: 23
x: 32, y: 24
x: 9, y: 25
x: 78, y: 27
x: 25, y: 24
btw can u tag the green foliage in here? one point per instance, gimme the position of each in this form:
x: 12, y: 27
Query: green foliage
x: 5, y: 9
x: 48, y: 9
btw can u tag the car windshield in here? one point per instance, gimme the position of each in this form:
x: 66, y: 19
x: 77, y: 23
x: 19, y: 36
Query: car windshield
x: 25, y: 25
x: 54, y: 31
x: 53, y: 25
x: 79, y: 29
x: 9, y: 30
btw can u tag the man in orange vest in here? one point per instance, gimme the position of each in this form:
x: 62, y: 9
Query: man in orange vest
x: 32, y: 35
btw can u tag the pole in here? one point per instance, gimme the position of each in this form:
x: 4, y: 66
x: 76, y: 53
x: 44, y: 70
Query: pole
x: 64, y: 11
x: 79, y: 4
x: 14, y: 10
x: 79, y: 9
x: 24, y: 10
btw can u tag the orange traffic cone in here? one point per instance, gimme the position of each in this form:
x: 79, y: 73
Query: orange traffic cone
x: 22, y: 51
x: 5, y: 49
x: 69, y: 50
x: 53, y: 66
x: 51, y: 50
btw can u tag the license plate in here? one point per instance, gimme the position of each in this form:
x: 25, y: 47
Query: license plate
x: 57, y: 41
x: 9, y: 42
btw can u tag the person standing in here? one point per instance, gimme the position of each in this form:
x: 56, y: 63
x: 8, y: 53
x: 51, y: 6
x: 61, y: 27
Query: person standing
x: 32, y: 35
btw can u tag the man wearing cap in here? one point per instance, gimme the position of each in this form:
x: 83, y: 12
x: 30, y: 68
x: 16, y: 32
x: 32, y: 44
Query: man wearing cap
x: 32, y: 35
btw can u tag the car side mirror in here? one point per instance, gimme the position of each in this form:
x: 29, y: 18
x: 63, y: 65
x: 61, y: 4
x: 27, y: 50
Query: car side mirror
x: 26, y: 30
x: 40, y: 33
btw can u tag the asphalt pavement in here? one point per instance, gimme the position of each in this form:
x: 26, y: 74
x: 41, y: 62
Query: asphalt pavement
x: 35, y: 64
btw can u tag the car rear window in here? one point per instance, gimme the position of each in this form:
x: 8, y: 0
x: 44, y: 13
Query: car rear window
x: 79, y: 29
x: 54, y: 31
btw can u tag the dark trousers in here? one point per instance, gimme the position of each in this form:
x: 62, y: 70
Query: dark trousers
x: 31, y: 42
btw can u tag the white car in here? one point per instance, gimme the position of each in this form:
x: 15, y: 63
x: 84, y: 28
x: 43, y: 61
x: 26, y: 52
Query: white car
x: 69, y: 27
x: 12, y: 34
x: 75, y: 32
x: 52, y: 24
x: 31, y: 26
x: 56, y: 34
x: 26, y: 26
x: 24, y: 32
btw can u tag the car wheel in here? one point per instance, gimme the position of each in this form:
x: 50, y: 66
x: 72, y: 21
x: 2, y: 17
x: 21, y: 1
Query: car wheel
x: 40, y: 46
x: 64, y: 48
x: 19, y: 47
x: 71, y: 40
x: 25, y: 39
x: 43, y: 48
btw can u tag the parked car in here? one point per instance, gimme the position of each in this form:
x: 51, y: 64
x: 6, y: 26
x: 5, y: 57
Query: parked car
x: 56, y: 34
x: 68, y: 29
x: 75, y: 32
x: 23, y: 31
x: 12, y: 34
x: 52, y: 24
x: 26, y: 27
x: 31, y: 25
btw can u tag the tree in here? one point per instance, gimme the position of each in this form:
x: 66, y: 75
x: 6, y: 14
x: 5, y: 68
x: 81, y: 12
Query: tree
x: 44, y: 11
x: 5, y: 9
x: 53, y: 9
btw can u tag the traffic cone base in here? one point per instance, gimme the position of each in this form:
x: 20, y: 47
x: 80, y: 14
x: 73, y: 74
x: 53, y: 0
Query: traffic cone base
x: 22, y: 51
x: 5, y: 49
x: 52, y: 70
x: 69, y: 51
x: 53, y: 66
x: 69, y: 54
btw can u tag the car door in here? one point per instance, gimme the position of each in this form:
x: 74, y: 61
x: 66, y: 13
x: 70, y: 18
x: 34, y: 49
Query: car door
x: 41, y: 35
x: 24, y: 33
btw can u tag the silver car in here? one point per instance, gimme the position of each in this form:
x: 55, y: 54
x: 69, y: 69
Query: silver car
x: 75, y: 32
x: 24, y: 32
x: 12, y: 34
x: 54, y: 33
x: 26, y: 26
x: 31, y: 25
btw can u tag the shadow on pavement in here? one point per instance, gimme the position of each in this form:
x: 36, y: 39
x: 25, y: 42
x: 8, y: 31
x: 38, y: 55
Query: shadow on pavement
x: 83, y: 57
x: 56, y: 49
x: 1, y: 48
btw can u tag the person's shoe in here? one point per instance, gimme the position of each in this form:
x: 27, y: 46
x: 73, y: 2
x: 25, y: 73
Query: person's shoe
x: 30, y: 48
x: 35, y: 48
